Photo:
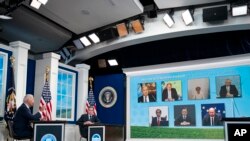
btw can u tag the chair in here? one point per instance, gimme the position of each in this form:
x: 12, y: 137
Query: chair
x: 12, y: 134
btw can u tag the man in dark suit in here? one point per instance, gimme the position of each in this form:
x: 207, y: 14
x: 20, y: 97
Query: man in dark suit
x: 169, y: 93
x: 145, y: 96
x: 86, y: 120
x: 228, y: 90
x: 158, y: 120
x: 184, y: 119
x: 23, y: 117
x: 211, y: 119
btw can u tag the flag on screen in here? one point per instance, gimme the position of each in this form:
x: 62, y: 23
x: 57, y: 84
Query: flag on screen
x: 219, y: 109
x: 46, y: 100
x: 11, y: 100
x: 91, y: 101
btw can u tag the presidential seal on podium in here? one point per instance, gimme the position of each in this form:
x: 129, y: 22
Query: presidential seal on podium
x: 108, y: 97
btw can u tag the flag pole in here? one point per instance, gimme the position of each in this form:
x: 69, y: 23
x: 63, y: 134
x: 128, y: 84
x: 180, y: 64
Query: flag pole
x: 47, y: 73
x: 91, y: 79
x: 46, y: 80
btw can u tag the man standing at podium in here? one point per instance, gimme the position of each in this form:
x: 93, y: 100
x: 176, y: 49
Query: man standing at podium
x: 86, y: 120
x: 23, y: 117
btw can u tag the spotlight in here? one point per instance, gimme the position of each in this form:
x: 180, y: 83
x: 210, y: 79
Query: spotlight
x: 137, y: 25
x: 66, y: 52
x: 63, y: 55
x: 78, y: 44
x: 122, y: 29
x: 108, y: 34
x: 85, y: 41
x: 112, y: 62
x: 94, y: 38
x: 239, y: 10
x: 36, y: 4
x: 168, y: 18
x: 212, y: 14
x: 5, y: 17
x: 43, y: 1
x: 187, y: 17
x: 102, y: 63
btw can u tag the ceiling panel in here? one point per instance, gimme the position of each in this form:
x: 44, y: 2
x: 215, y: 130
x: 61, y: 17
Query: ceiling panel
x: 27, y: 26
x: 84, y: 15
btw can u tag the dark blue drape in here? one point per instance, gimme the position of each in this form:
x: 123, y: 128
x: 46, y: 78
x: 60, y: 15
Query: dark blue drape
x: 116, y: 113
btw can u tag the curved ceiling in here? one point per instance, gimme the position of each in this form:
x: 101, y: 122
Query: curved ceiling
x: 56, y: 24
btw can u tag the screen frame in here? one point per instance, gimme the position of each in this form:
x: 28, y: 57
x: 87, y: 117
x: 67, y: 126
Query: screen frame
x: 219, y: 62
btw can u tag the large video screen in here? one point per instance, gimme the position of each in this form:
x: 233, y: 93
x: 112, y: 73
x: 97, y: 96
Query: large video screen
x: 187, y: 104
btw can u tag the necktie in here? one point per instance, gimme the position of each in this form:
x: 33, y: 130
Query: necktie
x: 212, y: 121
x: 158, y: 121
x: 145, y: 98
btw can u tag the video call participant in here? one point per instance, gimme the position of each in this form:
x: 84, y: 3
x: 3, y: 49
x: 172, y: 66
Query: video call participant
x: 169, y: 93
x: 198, y: 94
x: 23, y: 118
x: 184, y: 119
x: 228, y: 90
x: 86, y: 120
x: 211, y: 119
x: 158, y: 120
x: 146, y: 97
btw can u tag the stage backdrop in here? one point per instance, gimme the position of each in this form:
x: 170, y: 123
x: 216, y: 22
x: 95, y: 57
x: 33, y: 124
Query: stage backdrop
x: 109, y: 92
x: 209, y: 75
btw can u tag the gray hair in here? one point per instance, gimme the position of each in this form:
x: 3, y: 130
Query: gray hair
x: 27, y: 97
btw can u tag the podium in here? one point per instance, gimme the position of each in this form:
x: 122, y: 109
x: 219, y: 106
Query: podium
x: 236, y: 129
x: 49, y: 130
x: 106, y: 132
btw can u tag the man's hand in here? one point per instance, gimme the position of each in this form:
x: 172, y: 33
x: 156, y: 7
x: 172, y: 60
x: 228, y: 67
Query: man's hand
x: 42, y: 108
x: 43, y: 119
x: 88, y: 123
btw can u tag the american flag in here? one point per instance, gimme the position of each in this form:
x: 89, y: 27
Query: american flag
x: 11, y: 99
x: 91, y: 101
x: 46, y: 100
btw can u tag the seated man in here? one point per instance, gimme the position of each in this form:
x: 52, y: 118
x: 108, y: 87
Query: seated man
x: 158, y: 120
x: 23, y: 117
x: 85, y: 120
x: 184, y: 119
x: 211, y: 119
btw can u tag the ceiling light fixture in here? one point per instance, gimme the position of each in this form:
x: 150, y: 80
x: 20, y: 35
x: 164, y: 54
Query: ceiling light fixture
x: 122, y: 29
x: 43, y: 1
x: 168, y: 18
x: 85, y: 41
x: 137, y: 25
x: 239, y: 10
x: 5, y: 17
x: 187, y: 17
x: 36, y: 4
x: 63, y: 55
x: 112, y: 62
x: 94, y: 38
x: 78, y: 44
